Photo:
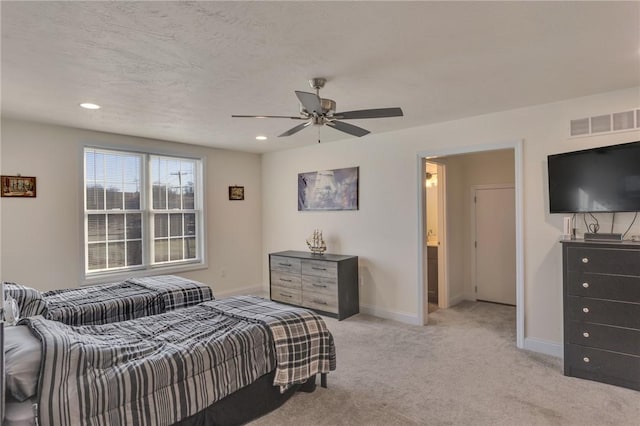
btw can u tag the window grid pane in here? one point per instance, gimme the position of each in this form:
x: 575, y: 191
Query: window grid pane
x: 174, y: 207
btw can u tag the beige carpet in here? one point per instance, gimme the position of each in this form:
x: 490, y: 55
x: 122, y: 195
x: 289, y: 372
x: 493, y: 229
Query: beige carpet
x: 462, y: 369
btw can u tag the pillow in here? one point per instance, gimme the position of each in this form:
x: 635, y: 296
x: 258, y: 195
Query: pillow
x: 29, y: 300
x: 11, y: 311
x: 22, y: 356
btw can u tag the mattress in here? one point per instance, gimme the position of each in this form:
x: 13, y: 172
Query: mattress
x: 19, y: 413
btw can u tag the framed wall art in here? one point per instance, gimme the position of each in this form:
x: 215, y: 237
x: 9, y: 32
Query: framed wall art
x: 236, y: 193
x: 335, y: 189
x: 18, y: 186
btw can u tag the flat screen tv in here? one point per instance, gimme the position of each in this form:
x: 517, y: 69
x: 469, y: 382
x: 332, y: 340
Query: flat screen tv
x: 605, y: 179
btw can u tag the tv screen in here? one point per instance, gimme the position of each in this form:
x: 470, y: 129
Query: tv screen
x: 605, y: 179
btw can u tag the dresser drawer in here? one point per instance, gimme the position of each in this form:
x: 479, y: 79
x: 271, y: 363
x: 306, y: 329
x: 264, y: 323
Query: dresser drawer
x: 320, y: 268
x: 599, y: 286
x: 321, y: 285
x: 618, y: 339
x: 621, y: 314
x: 320, y: 301
x: 283, y: 279
x: 603, y: 260
x: 286, y: 295
x: 289, y: 265
x: 604, y: 366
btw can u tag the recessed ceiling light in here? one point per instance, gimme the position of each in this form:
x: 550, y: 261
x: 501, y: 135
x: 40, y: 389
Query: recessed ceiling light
x: 89, y: 105
x: 261, y: 138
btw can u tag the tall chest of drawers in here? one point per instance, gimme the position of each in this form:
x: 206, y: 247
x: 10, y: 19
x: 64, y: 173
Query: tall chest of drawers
x: 325, y: 283
x: 602, y: 311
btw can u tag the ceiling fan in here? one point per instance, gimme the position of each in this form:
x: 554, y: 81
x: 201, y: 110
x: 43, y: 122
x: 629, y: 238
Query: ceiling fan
x: 318, y: 111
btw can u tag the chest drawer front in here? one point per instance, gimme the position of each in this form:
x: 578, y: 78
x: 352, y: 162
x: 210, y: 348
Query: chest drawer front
x: 322, y: 285
x: 286, y: 295
x: 625, y: 340
x: 320, y: 268
x: 323, y: 302
x: 621, y: 314
x: 286, y: 280
x: 605, y: 366
x: 290, y: 265
x: 599, y: 286
x: 604, y: 260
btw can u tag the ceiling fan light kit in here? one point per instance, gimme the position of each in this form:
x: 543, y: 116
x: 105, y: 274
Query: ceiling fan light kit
x: 319, y: 112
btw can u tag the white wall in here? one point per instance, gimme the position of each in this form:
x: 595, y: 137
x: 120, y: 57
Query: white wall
x: 384, y: 231
x: 41, y: 237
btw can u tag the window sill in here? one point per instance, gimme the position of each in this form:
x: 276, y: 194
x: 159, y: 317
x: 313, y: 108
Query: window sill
x: 158, y: 270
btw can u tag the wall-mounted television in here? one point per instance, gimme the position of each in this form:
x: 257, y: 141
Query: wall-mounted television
x: 604, y: 179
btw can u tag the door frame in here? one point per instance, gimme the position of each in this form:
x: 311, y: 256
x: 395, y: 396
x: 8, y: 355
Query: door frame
x: 421, y: 156
x: 474, y: 189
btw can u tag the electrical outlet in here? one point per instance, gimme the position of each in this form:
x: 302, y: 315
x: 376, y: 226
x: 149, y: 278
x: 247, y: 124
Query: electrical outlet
x: 223, y: 273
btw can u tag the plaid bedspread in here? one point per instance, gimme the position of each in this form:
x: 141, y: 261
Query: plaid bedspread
x: 178, y: 292
x: 303, y: 344
x: 130, y: 299
x: 101, y: 304
x: 150, y: 371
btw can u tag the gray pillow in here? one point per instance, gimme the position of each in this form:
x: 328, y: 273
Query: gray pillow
x: 29, y: 299
x: 23, y: 353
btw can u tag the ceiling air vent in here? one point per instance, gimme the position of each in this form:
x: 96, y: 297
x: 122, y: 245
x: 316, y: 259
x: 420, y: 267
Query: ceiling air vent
x: 580, y: 127
x: 623, y: 120
x: 601, y: 123
x: 616, y: 122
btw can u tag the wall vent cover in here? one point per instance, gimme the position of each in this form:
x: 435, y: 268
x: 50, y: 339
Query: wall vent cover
x: 608, y: 123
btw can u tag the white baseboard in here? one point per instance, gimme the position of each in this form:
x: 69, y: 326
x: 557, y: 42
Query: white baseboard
x: 254, y: 291
x: 391, y: 315
x: 544, y: 347
x: 461, y: 298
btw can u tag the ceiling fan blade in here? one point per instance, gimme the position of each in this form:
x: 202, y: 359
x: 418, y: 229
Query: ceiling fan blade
x: 348, y: 128
x: 295, y: 129
x: 369, y: 113
x: 268, y: 116
x: 310, y: 102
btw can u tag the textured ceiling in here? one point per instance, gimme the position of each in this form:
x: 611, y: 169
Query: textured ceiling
x: 178, y: 71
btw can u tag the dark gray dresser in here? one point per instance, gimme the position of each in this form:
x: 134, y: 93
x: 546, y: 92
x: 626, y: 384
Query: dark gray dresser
x: 602, y: 311
x: 325, y: 283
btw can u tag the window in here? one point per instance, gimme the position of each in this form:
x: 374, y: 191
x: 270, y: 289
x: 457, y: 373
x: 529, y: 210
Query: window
x: 141, y: 211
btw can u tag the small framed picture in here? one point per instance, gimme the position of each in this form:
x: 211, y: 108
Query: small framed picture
x: 236, y: 193
x: 18, y: 186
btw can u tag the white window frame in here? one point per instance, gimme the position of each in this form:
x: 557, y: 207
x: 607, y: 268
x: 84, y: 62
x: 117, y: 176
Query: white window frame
x: 148, y: 267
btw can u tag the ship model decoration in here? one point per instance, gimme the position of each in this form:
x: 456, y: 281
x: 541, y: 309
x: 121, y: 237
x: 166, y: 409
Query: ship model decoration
x: 315, y: 242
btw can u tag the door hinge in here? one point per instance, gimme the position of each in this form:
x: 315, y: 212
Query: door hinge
x: 475, y: 199
x: 475, y: 244
x: 476, y: 289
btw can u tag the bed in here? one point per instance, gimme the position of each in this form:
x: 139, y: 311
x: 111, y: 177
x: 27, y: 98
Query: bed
x: 191, y: 366
x: 106, y: 303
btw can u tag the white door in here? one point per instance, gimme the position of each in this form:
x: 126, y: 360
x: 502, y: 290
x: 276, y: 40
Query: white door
x: 495, y: 244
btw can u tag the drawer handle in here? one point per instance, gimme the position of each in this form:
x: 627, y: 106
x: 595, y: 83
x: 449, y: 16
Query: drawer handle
x: 285, y: 264
x: 285, y: 280
x: 286, y: 295
x: 585, y: 285
x: 585, y: 260
x: 585, y: 310
x: 586, y: 359
x: 319, y: 285
x: 319, y: 302
x: 586, y: 334
x: 318, y: 269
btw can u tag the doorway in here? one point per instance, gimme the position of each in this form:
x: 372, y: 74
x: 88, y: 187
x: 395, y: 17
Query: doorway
x: 458, y: 238
x: 435, y: 260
